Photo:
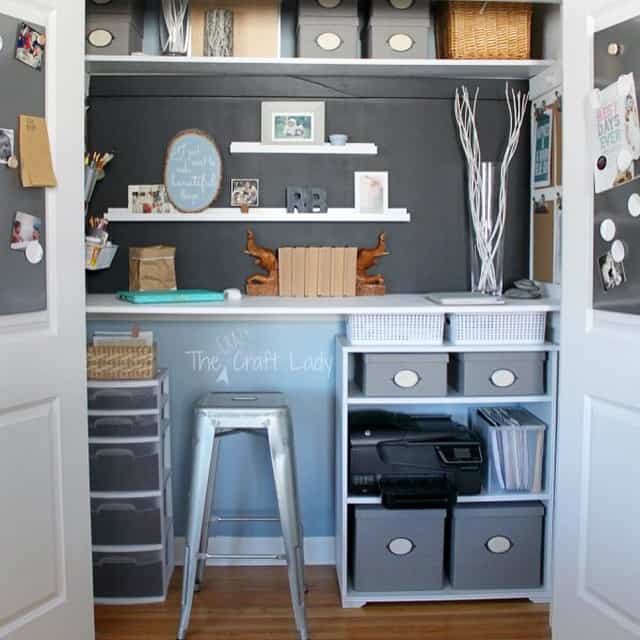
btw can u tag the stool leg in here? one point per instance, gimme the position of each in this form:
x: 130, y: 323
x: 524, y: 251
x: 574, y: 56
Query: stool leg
x: 282, y: 460
x: 205, y: 435
x: 204, y: 540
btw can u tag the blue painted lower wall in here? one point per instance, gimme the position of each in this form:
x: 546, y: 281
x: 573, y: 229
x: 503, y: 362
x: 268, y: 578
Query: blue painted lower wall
x: 295, y: 358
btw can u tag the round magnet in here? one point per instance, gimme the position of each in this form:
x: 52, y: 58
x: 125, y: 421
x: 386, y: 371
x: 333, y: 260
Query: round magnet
x: 624, y: 160
x: 614, y: 49
x: 602, y: 163
x: 34, y: 252
x: 633, y: 205
x: 12, y: 162
x: 618, y: 251
x: 608, y: 230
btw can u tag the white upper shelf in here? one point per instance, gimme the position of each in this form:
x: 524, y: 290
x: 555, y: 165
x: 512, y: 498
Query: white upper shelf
x: 143, y: 65
x: 260, y: 214
x: 353, y: 148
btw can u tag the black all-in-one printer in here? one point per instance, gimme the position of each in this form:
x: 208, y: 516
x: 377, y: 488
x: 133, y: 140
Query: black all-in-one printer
x: 412, y: 461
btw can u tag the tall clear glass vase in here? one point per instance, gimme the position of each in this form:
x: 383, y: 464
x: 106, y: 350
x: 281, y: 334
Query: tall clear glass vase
x: 487, y: 237
x: 175, y: 27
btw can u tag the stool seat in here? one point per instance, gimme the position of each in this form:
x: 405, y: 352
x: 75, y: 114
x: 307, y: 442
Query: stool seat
x: 219, y: 414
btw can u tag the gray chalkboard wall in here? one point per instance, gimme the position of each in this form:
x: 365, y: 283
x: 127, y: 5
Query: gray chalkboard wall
x: 22, y: 285
x: 410, y: 120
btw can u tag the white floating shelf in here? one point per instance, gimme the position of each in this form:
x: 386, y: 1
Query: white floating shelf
x: 261, y: 214
x: 353, y: 148
x: 515, y: 496
x: 143, y: 65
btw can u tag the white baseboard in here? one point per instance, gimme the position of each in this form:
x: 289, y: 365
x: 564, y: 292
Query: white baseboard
x: 316, y: 550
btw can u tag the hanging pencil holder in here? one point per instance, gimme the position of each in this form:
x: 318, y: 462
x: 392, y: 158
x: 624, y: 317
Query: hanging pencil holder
x: 92, y: 175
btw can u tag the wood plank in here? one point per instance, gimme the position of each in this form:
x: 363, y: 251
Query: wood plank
x: 239, y: 603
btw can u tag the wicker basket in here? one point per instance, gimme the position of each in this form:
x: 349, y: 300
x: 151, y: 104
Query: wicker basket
x: 484, y: 30
x: 113, y: 362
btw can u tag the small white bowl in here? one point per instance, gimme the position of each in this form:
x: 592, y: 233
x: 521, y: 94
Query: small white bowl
x: 338, y: 139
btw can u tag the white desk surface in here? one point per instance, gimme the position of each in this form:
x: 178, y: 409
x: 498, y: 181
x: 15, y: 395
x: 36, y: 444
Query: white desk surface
x: 108, y: 305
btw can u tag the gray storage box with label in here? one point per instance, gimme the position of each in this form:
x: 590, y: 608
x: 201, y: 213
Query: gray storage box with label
x: 398, y: 550
x: 402, y: 374
x: 115, y: 27
x: 498, y: 374
x: 325, y: 32
x: 496, y: 546
x: 400, y: 32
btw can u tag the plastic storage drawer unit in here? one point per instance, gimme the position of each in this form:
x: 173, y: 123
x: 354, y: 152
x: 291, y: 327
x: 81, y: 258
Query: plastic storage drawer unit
x: 126, y: 521
x: 123, y: 398
x: 128, y: 575
x: 498, y: 374
x: 132, y: 426
x: 402, y: 374
x: 496, y: 546
x: 125, y: 467
x: 398, y: 550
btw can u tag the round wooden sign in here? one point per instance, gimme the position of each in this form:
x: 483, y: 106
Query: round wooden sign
x: 192, y: 171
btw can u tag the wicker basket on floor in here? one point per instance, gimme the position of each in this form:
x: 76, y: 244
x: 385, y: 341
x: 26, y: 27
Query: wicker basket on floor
x: 484, y: 30
x: 117, y: 362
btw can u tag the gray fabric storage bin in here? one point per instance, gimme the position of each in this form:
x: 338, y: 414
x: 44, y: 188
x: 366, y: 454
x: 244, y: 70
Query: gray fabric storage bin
x: 402, y: 374
x: 498, y: 374
x: 122, y: 398
x: 398, y: 41
x: 398, y: 550
x: 319, y: 38
x: 132, y: 10
x: 383, y: 11
x: 121, y: 37
x: 312, y: 9
x: 126, y: 521
x: 133, y: 426
x: 496, y: 546
x: 128, y: 575
x: 125, y: 467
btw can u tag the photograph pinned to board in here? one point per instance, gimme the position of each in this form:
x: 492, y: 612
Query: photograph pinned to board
x: 148, y: 198
x: 612, y: 273
x: 301, y: 122
x: 371, y: 191
x: 192, y: 171
x: 36, y: 167
x: 30, y: 46
x: 544, y: 148
x: 7, y: 145
x: 615, y: 137
x: 245, y: 192
x: 25, y: 229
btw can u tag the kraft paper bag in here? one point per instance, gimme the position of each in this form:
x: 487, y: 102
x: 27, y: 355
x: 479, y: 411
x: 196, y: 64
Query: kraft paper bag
x: 36, y: 168
x: 152, y: 268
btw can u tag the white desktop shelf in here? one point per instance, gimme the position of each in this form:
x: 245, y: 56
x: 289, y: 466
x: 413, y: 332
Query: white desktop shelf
x: 144, y: 65
x: 352, y: 148
x: 260, y: 214
x: 513, y: 496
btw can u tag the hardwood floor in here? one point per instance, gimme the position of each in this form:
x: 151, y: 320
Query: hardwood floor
x: 253, y: 603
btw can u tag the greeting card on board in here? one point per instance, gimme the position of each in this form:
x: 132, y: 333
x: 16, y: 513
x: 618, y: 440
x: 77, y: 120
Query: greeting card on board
x: 615, y: 133
x: 36, y: 169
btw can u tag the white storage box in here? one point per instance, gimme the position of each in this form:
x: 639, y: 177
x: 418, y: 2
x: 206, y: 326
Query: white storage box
x: 515, y: 446
x: 521, y: 327
x: 396, y: 329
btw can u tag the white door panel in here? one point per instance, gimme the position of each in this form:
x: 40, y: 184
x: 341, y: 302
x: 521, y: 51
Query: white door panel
x: 597, y: 519
x: 45, y: 558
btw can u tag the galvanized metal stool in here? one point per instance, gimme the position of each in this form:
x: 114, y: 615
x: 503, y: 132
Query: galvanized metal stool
x: 221, y: 414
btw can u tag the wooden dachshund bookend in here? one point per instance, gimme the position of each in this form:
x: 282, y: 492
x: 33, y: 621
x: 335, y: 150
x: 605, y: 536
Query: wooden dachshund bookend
x: 267, y: 259
x: 370, y: 285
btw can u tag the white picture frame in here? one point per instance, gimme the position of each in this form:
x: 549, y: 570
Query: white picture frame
x: 371, y: 190
x: 293, y: 122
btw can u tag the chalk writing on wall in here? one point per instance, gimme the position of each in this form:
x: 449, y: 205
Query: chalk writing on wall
x: 192, y: 171
x: 233, y: 354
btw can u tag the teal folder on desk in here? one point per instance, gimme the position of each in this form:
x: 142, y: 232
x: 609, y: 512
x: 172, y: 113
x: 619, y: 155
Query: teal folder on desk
x: 180, y: 295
